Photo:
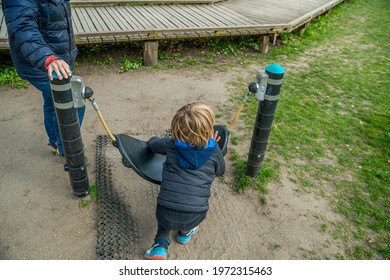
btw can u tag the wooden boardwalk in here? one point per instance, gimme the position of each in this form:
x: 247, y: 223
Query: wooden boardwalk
x: 113, y: 21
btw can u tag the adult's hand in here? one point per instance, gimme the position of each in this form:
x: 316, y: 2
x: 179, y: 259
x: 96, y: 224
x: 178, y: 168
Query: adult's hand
x: 60, y: 67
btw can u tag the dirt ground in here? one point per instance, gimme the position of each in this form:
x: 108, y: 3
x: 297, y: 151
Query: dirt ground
x: 41, y: 219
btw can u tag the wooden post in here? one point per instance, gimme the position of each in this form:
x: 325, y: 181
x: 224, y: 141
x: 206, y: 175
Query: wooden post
x: 275, y: 38
x: 264, y: 43
x: 150, y: 53
x: 302, y: 29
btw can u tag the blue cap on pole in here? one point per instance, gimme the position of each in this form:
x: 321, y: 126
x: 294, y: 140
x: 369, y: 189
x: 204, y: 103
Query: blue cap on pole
x: 275, y: 69
x: 55, y: 76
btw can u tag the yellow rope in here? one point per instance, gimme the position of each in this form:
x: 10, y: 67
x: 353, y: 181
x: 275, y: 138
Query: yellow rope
x: 235, y: 116
x: 105, y: 126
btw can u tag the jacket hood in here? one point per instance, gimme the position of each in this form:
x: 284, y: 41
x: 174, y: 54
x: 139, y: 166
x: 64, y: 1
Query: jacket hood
x: 191, y: 157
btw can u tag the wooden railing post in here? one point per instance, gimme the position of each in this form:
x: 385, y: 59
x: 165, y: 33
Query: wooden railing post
x: 150, y: 53
x: 264, y: 43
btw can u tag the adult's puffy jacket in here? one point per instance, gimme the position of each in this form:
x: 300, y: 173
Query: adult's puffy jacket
x: 36, y: 30
x: 188, y: 173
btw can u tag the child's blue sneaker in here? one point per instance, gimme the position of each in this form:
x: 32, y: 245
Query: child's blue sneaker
x: 183, y: 239
x: 158, y: 251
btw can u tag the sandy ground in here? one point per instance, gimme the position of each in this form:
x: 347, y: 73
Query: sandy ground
x: 41, y: 219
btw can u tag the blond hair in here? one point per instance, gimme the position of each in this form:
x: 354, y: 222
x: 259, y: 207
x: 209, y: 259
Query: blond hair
x: 194, y: 124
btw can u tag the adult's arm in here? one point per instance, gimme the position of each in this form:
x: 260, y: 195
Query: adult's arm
x: 21, y: 17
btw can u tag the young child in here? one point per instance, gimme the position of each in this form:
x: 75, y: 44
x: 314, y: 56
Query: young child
x: 193, y: 161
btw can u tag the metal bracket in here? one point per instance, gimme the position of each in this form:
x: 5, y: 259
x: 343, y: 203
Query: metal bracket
x: 78, y: 89
x: 262, y: 79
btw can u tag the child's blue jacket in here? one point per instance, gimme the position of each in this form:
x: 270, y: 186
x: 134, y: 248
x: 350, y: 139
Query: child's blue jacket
x: 188, y: 173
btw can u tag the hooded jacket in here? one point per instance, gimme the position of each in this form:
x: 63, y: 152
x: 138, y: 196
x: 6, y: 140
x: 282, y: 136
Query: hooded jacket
x: 36, y: 30
x: 188, y: 173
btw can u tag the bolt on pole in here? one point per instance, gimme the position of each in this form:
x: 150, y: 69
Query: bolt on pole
x: 274, y: 74
x: 69, y: 126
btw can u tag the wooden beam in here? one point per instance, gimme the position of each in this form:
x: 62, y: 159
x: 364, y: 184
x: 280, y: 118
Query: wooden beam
x: 150, y: 53
x: 78, y: 3
x: 302, y: 29
x: 264, y: 43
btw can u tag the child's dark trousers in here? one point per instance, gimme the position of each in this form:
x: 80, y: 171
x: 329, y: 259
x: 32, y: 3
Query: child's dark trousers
x: 170, y: 219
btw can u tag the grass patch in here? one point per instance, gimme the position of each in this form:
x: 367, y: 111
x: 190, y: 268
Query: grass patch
x: 334, y: 118
x: 8, y: 75
x: 92, y: 197
x: 269, y: 172
x: 339, y: 105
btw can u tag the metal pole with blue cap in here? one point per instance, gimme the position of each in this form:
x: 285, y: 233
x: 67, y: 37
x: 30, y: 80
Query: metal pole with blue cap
x: 269, y: 85
x: 66, y: 101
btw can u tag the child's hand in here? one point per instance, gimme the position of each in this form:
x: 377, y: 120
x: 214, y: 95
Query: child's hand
x: 216, y: 137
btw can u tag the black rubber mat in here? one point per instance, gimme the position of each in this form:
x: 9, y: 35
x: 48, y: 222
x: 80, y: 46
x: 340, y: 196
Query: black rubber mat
x: 117, y: 231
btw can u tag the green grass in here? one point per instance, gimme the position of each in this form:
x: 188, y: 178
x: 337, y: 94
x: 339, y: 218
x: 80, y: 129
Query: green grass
x: 8, y: 73
x: 333, y: 118
x: 92, y: 197
x: 334, y: 114
x: 128, y: 64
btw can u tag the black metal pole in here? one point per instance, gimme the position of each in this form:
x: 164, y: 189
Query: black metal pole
x: 264, y: 119
x: 69, y: 126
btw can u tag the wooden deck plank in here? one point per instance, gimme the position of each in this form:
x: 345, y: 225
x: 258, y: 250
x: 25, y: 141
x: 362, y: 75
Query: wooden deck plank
x: 127, y: 16
x: 153, y: 17
x: 282, y: 11
x: 100, y: 24
x: 171, y: 13
x: 189, y: 19
x: 133, y: 12
x: 88, y: 25
x: 239, y: 19
x: 164, y: 11
x: 179, y: 21
x: 76, y: 23
x: 79, y: 22
x: 206, y: 18
x: 119, y: 19
x: 194, y: 18
x: 140, y: 2
x: 3, y: 26
x: 113, y: 23
x: 163, y: 18
x: 151, y: 23
x: 216, y: 14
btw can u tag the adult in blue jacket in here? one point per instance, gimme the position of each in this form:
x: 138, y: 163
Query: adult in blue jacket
x: 41, y: 41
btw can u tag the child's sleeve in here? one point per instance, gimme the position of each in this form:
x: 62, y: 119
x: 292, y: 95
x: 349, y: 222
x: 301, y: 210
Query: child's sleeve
x: 220, y: 166
x: 159, y: 145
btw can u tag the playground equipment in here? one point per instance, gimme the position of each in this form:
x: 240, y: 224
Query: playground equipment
x: 267, y: 90
x: 136, y: 155
x: 67, y: 98
x: 135, y: 152
x: 69, y: 94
